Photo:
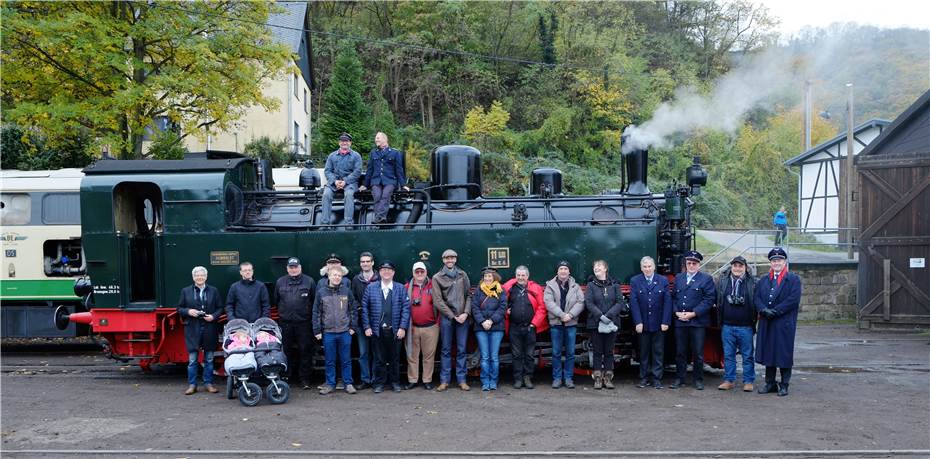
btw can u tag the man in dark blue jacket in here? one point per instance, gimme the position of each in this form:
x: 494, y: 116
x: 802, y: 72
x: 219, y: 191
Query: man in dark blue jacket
x: 294, y: 293
x: 777, y: 298
x: 199, y: 308
x: 343, y: 169
x: 651, y: 306
x: 385, y: 173
x: 247, y: 298
x: 692, y: 300
x: 386, y: 316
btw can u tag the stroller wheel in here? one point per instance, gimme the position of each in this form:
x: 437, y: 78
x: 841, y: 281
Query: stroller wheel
x: 250, y: 394
x: 278, y: 395
x: 230, y: 387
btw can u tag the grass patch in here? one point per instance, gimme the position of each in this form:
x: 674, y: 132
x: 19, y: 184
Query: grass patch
x: 705, y: 246
x: 808, y: 241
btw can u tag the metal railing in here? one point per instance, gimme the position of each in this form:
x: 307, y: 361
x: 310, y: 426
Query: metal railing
x: 760, y: 246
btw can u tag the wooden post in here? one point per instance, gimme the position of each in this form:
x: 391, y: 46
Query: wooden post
x: 886, y: 285
x: 849, y: 220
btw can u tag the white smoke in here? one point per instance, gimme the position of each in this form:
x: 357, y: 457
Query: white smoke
x: 756, y: 79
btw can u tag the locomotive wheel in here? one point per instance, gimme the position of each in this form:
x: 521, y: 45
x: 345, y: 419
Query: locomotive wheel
x: 279, y: 395
x: 252, y: 397
x: 230, y: 387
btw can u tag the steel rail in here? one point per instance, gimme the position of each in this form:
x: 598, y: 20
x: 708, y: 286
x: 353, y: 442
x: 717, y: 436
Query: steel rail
x: 441, y: 453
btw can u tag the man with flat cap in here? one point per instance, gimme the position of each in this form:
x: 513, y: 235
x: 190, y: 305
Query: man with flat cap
x: 452, y: 297
x: 777, y: 298
x: 386, y: 319
x: 692, y: 300
x: 343, y: 169
x: 294, y: 293
x: 736, y: 315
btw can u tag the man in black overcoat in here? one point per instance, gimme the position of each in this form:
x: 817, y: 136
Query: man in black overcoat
x: 200, y: 307
x: 777, y: 298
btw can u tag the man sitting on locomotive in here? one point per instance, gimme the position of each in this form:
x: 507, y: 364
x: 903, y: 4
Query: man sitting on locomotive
x: 199, y: 307
x: 385, y: 173
x: 343, y: 169
x: 247, y: 298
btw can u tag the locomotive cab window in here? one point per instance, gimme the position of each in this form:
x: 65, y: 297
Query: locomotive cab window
x: 137, y: 209
x: 15, y: 209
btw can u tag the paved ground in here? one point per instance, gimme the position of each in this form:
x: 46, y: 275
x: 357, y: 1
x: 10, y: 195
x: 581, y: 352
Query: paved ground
x: 755, y: 247
x: 852, y: 390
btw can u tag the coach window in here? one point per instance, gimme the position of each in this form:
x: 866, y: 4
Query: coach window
x: 15, y: 209
x: 61, y: 209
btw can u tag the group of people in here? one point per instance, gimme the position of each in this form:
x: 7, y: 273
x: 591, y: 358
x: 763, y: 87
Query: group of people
x: 384, y: 317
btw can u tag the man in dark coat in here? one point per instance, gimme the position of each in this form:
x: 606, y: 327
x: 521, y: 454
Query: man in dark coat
x: 294, y: 293
x: 692, y: 300
x: 367, y: 275
x: 777, y: 298
x: 386, y: 319
x: 385, y: 173
x: 736, y: 316
x: 247, y: 298
x: 651, y: 307
x: 199, y: 307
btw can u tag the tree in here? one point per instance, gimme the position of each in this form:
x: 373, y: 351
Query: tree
x: 112, y: 67
x: 265, y: 148
x: 344, y: 109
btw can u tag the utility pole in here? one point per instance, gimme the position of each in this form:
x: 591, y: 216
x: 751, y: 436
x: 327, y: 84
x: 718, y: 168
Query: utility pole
x: 850, y: 180
x: 808, y: 122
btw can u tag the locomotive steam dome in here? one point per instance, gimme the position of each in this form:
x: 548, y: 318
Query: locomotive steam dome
x: 546, y: 181
x: 455, y: 172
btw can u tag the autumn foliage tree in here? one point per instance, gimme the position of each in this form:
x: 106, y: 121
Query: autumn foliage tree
x: 110, y: 68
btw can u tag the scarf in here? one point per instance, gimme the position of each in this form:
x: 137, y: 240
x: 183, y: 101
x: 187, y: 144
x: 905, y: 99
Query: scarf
x: 450, y: 272
x: 781, y: 275
x: 492, y: 290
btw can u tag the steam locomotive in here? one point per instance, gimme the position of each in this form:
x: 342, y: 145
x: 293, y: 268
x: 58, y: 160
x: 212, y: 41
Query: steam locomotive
x: 145, y: 224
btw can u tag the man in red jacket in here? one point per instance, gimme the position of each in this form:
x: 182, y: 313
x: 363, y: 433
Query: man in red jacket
x: 526, y: 313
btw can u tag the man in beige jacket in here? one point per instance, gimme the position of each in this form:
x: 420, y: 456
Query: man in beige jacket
x: 564, y: 302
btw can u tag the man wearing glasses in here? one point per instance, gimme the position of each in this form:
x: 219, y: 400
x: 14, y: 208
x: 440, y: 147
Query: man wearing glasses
x: 692, y: 299
x: 368, y: 275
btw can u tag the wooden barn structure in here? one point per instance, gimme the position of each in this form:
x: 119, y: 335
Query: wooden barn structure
x: 894, y: 222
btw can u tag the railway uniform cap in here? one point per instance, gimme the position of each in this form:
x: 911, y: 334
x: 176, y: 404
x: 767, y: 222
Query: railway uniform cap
x: 333, y: 258
x: 293, y: 261
x: 388, y: 265
x: 565, y: 264
x: 694, y: 255
x: 778, y: 253
x: 419, y: 265
x: 345, y: 136
x: 488, y: 269
x: 449, y: 253
x: 739, y: 259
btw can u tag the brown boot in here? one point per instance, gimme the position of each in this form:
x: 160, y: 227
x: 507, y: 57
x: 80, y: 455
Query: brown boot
x: 608, y: 380
x: 190, y: 390
x: 748, y: 387
x: 598, y: 380
x: 726, y: 385
x: 442, y: 387
x: 212, y: 389
x: 464, y: 386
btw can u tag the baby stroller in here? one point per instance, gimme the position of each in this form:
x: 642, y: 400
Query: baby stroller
x: 240, y: 364
x: 271, y: 360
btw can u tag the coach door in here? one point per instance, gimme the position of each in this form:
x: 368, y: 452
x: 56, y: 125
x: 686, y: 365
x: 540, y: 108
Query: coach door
x: 139, y: 227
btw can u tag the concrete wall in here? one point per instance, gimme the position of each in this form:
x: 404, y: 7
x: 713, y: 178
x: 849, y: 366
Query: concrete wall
x: 829, y: 290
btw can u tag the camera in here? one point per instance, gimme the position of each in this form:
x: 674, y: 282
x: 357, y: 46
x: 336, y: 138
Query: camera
x: 736, y: 300
x: 416, y: 301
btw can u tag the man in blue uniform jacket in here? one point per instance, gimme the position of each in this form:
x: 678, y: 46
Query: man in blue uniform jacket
x: 692, y: 299
x: 777, y: 298
x: 651, y: 306
x: 385, y: 173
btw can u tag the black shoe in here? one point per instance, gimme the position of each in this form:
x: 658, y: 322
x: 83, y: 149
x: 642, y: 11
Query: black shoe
x: 699, y: 385
x: 409, y: 386
x: 378, y: 389
x: 428, y: 386
x: 642, y: 383
x: 675, y: 385
x: 768, y: 388
x: 658, y: 385
x: 305, y: 385
x: 782, y: 389
x: 363, y: 385
x: 518, y: 384
x: 396, y: 387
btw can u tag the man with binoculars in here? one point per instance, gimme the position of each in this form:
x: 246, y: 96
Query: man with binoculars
x: 737, y: 314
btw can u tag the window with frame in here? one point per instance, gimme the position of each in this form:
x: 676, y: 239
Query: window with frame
x: 15, y: 209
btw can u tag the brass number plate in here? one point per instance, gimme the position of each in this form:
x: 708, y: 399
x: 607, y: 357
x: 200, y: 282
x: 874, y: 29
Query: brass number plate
x: 499, y: 257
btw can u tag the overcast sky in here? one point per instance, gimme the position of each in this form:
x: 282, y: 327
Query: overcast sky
x: 795, y: 14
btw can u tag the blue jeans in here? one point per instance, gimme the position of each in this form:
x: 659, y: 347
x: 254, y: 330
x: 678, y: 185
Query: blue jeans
x: 738, y: 340
x: 193, y: 366
x: 348, y: 206
x: 364, y: 356
x: 337, y: 345
x: 489, y: 342
x: 449, y: 329
x: 563, y: 344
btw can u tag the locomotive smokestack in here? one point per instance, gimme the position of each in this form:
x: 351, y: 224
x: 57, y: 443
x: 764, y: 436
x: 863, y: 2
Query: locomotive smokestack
x: 637, y: 167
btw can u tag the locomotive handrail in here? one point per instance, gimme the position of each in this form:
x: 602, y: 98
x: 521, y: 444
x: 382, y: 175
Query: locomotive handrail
x: 490, y: 223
